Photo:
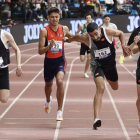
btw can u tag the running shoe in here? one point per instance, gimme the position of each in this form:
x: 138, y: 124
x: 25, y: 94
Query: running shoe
x: 85, y: 75
x: 97, y: 123
x: 59, y: 116
x: 138, y: 131
x: 48, y: 105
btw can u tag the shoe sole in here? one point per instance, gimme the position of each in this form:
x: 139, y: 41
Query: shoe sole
x: 59, y: 119
x: 97, y: 124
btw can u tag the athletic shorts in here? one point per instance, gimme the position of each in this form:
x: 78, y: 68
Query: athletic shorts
x: 4, y: 78
x: 138, y: 76
x: 110, y: 73
x: 83, y: 49
x: 51, y: 72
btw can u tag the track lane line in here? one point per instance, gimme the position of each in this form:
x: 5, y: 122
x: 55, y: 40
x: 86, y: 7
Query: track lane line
x: 117, y: 113
x: 65, y: 94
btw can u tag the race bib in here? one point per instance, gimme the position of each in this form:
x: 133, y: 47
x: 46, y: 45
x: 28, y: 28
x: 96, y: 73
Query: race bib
x: 102, y: 53
x: 1, y: 62
x: 57, y: 47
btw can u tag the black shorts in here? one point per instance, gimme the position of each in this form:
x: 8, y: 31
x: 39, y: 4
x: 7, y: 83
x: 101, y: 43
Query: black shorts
x: 110, y: 73
x: 51, y: 72
x: 138, y: 76
x: 83, y: 49
x: 4, y: 78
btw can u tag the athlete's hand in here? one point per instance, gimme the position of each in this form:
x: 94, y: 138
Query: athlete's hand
x: 126, y: 51
x: 64, y: 39
x: 52, y: 43
x: 19, y: 71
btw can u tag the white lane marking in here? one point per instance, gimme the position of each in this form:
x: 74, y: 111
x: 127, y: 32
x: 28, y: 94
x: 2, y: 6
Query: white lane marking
x: 88, y: 128
x: 131, y: 119
x: 128, y: 70
x: 66, y: 89
x: 3, y: 114
x: 24, y: 62
x: 37, y: 48
x: 53, y: 118
x: 117, y: 113
x: 20, y: 134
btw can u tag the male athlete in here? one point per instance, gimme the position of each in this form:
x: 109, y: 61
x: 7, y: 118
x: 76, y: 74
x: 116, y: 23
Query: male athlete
x: 51, y: 43
x: 84, y: 48
x: 6, y: 38
x: 102, y: 60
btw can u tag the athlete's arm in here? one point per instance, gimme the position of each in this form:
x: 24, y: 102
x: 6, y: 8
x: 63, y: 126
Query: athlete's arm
x: 66, y: 32
x: 83, y: 38
x: 13, y: 44
x: 117, y: 33
x: 42, y: 39
x: 80, y: 28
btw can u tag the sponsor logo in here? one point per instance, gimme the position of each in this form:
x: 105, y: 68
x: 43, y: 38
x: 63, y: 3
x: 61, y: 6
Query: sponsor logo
x: 102, y: 39
x: 96, y: 74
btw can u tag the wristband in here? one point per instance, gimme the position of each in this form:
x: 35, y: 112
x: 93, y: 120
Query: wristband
x: 67, y: 40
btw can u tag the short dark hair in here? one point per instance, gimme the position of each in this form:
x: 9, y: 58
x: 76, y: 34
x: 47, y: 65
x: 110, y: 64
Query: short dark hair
x: 89, y: 14
x: 106, y: 16
x: 53, y: 10
x: 92, y: 26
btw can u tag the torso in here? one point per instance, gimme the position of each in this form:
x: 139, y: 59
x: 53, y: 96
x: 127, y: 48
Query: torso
x: 105, y: 53
x: 4, y: 51
x: 84, y: 28
x: 56, y: 53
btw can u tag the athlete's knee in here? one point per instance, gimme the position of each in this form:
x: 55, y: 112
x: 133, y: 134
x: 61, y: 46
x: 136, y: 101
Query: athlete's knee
x: 100, y: 88
x: 115, y: 87
x: 82, y: 59
x: 4, y: 99
x: 59, y: 82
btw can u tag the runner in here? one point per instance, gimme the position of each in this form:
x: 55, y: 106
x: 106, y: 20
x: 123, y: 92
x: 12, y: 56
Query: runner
x: 51, y: 43
x: 102, y: 61
x: 85, y: 49
x: 5, y: 38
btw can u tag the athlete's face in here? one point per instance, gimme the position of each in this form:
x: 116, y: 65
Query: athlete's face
x: 95, y: 35
x: 88, y: 19
x: 54, y: 18
x: 106, y: 20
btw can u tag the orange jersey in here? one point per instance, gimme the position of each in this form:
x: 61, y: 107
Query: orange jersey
x: 58, y: 49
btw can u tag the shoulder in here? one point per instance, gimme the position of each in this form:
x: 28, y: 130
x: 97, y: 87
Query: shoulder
x: 43, y: 31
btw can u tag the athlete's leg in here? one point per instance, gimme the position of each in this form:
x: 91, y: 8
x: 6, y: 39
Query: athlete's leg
x: 114, y: 85
x: 100, y: 86
x: 4, y: 95
x: 60, y: 89
x: 87, y: 63
x: 112, y: 77
x: 48, y: 90
x: 138, y: 101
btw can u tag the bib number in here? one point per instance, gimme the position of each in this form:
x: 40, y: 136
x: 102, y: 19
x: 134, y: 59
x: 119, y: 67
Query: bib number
x: 102, y: 53
x: 57, y: 47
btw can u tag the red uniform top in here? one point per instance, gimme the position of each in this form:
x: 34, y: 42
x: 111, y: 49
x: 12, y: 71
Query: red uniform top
x: 58, y: 49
